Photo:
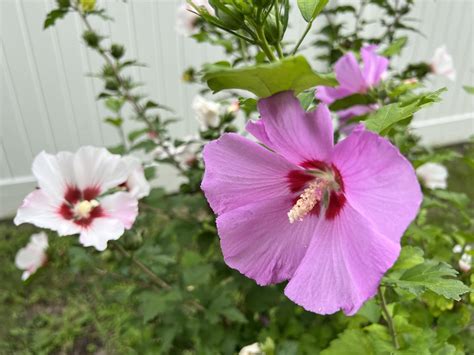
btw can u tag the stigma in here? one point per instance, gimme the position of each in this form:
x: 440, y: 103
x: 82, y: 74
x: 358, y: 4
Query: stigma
x: 307, y: 200
x: 83, y: 209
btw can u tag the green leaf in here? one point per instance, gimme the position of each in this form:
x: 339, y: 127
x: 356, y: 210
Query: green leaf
x: 395, y: 47
x: 310, y: 9
x: 133, y: 135
x: 383, y: 119
x: 469, y: 89
x: 114, y: 121
x: 292, y: 73
x: 431, y: 275
x: 349, y: 101
x: 306, y: 99
x: 53, y: 16
x: 409, y: 257
x: 114, y: 104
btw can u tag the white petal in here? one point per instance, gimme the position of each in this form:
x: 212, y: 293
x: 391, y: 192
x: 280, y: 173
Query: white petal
x: 137, y: 184
x: 54, y: 173
x: 40, y: 210
x: 30, y: 258
x: 207, y: 112
x: 25, y: 275
x: 252, y: 349
x: 121, y: 206
x: 433, y: 175
x: 40, y: 240
x: 100, y: 232
x: 97, y: 167
x: 442, y: 63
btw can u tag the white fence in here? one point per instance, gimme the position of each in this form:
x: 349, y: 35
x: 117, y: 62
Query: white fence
x: 47, y: 102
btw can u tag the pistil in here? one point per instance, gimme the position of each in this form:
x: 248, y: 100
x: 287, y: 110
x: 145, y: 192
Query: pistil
x: 307, y: 200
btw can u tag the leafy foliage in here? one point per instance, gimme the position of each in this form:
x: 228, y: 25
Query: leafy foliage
x: 292, y: 73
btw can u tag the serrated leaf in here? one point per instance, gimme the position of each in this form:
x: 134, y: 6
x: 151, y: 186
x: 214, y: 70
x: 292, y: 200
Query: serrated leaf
x: 292, y: 73
x: 310, y: 9
x: 431, y: 275
x: 383, y: 119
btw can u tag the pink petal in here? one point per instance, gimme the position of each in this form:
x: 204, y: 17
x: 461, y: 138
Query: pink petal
x: 54, y: 173
x: 357, y: 110
x: 328, y: 94
x: 374, y: 65
x: 121, y: 206
x: 240, y: 172
x: 379, y: 182
x: 100, y: 232
x: 297, y: 135
x: 343, y: 266
x: 96, y: 167
x: 39, y: 209
x: 259, y: 241
x: 349, y: 75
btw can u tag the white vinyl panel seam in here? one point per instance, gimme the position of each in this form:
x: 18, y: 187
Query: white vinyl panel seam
x: 44, y: 113
x: 158, y: 49
x: 19, y: 119
x: 86, y: 59
x: 66, y: 90
x: 7, y: 163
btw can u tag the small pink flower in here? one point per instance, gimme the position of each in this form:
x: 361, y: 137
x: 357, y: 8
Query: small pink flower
x: 72, y: 196
x: 355, y: 80
x: 442, y: 63
x: 328, y: 218
x: 33, y: 255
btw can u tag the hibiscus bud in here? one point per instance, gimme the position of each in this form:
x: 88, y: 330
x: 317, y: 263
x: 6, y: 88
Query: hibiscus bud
x: 87, y: 5
x: 232, y: 20
x: 91, y: 38
x: 433, y: 175
x: 133, y: 241
x: 117, y: 50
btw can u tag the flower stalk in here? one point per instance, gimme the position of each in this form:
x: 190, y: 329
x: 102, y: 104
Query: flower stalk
x: 389, y: 319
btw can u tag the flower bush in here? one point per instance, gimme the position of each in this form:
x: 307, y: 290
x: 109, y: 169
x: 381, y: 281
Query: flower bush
x: 339, y: 212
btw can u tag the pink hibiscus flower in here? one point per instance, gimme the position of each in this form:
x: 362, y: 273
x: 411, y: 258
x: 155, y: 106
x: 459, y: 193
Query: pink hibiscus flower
x: 71, y: 196
x: 328, y: 218
x: 355, y: 80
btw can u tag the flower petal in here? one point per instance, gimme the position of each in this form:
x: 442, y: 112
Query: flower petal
x: 379, y: 182
x: 259, y: 241
x: 240, y: 172
x: 374, y: 65
x: 137, y: 184
x: 343, y: 266
x: 96, y: 167
x: 121, y: 206
x: 297, y: 135
x: 39, y: 209
x: 100, y: 232
x: 54, y: 173
x: 328, y: 94
x: 349, y: 75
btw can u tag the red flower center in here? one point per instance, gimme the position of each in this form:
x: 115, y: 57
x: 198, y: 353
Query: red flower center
x: 81, y: 206
x: 327, y: 175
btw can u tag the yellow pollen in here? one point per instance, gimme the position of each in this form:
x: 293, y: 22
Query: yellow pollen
x: 308, y: 199
x: 84, y: 208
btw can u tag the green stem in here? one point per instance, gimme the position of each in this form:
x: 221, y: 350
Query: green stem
x: 264, y: 44
x: 154, y: 277
x: 389, y: 319
x: 278, y: 25
x: 308, y: 27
